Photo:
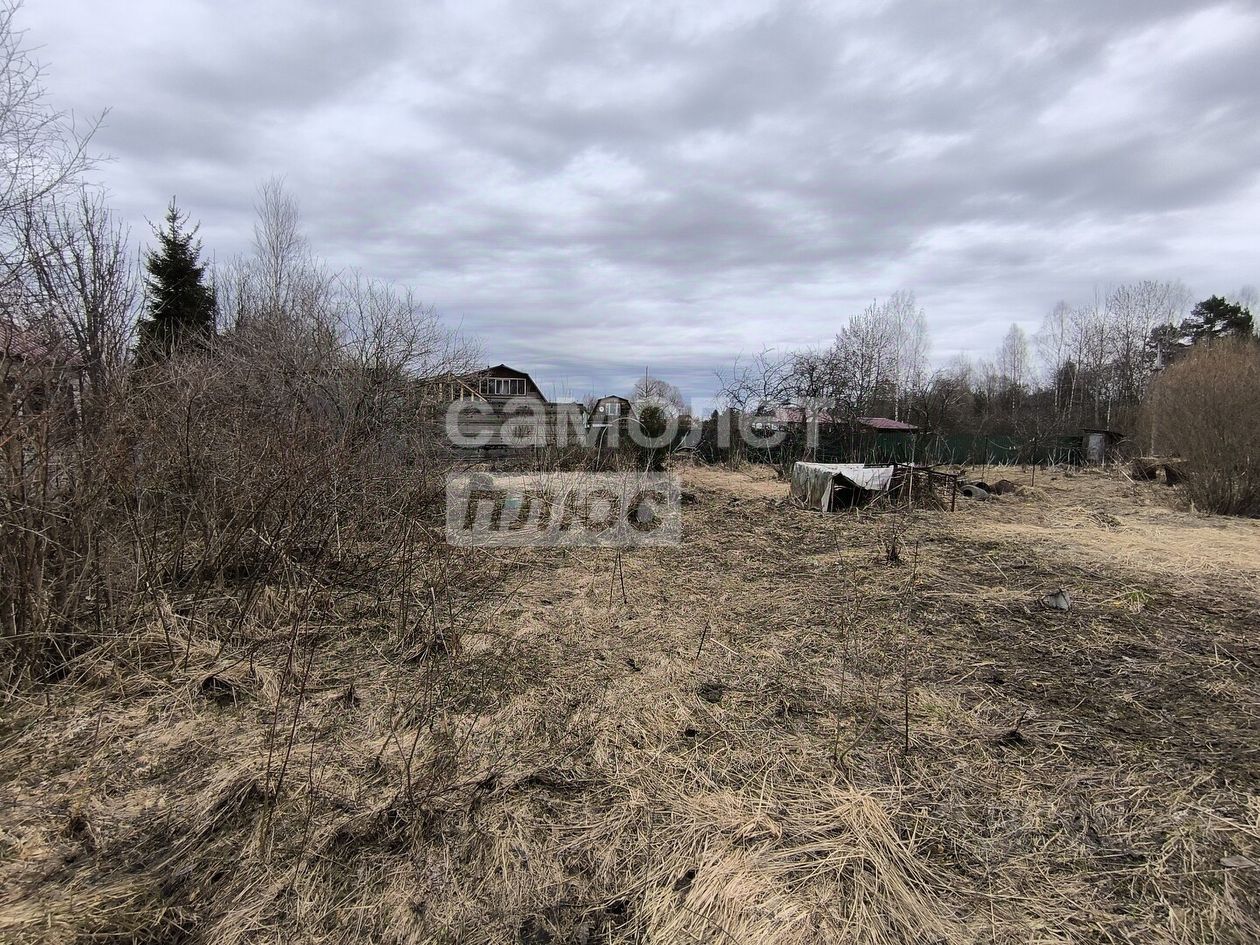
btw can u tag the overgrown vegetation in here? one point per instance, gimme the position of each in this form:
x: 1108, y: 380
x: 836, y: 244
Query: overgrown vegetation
x: 199, y: 510
x: 251, y: 695
x: 285, y: 455
x: 777, y: 735
x: 1206, y: 409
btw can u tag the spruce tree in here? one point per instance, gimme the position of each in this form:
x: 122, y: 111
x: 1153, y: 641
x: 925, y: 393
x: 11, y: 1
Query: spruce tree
x: 180, y: 304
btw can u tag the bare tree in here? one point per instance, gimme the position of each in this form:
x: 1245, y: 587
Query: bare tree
x: 1089, y: 342
x: 878, y: 360
x: 757, y: 382
x: 280, y: 286
x: 1132, y: 311
x: 908, y: 331
x: 281, y: 250
x: 1053, y: 347
x: 880, y: 356
x: 938, y: 403
x: 863, y: 360
x: 1014, y: 365
x: 42, y: 150
x: 81, y: 285
x: 653, y: 390
x: 1248, y: 297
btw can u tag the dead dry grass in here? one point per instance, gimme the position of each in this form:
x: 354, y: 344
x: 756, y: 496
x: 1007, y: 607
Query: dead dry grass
x: 1140, y: 526
x: 778, y: 737
x: 749, y: 481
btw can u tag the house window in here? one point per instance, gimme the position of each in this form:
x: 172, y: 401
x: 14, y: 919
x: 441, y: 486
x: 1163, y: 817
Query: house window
x: 503, y: 386
x: 613, y: 408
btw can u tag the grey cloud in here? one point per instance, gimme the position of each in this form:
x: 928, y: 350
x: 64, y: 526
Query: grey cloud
x: 697, y: 181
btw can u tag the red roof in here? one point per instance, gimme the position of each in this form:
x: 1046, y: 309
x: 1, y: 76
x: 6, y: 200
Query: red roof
x: 25, y: 344
x: 789, y: 413
x: 883, y: 423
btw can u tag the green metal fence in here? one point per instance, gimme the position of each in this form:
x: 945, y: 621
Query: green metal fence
x: 975, y: 449
x: 888, y: 447
x: 959, y: 449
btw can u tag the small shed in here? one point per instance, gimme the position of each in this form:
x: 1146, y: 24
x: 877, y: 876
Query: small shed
x: 828, y: 486
x: 1098, y: 443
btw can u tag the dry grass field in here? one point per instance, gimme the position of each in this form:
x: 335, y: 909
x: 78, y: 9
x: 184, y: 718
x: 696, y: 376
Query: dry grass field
x: 778, y: 735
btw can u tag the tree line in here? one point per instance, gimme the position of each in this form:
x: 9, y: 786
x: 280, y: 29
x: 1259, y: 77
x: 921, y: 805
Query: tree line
x: 1088, y: 364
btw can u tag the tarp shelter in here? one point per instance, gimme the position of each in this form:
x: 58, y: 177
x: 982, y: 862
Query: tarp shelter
x: 827, y: 486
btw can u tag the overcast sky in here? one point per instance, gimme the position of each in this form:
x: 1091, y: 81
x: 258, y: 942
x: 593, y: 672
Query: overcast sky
x: 595, y: 188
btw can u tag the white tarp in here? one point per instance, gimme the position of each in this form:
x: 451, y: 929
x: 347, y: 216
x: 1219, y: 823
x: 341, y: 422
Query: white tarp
x: 814, y: 484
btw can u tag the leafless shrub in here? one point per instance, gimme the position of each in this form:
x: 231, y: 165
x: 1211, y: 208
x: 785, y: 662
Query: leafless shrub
x: 79, y: 282
x: 296, y: 452
x: 1206, y: 409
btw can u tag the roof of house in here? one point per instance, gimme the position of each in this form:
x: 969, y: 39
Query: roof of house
x: 499, y: 370
x: 449, y: 377
x: 502, y: 370
x: 26, y: 344
x: 785, y: 413
x: 884, y: 423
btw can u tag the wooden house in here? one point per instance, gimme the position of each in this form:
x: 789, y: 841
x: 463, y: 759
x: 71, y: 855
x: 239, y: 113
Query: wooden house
x: 501, y: 383
x: 38, y: 372
x: 502, y: 408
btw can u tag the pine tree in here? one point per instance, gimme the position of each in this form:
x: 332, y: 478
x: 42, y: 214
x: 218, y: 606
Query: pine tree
x: 180, y: 305
x: 1218, y: 318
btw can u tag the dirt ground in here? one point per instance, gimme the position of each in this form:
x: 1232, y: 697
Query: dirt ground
x: 778, y: 734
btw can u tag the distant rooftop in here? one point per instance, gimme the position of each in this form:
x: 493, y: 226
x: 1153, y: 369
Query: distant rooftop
x: 884, y: 423
x: 28, y: 345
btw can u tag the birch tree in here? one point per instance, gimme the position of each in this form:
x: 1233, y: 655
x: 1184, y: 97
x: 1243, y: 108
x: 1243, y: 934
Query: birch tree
x: 42, y: 151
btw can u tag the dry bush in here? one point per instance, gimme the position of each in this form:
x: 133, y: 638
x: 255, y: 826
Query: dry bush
x: 292, y: 454
x: 1206, y: 409
x: 196, y: 534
